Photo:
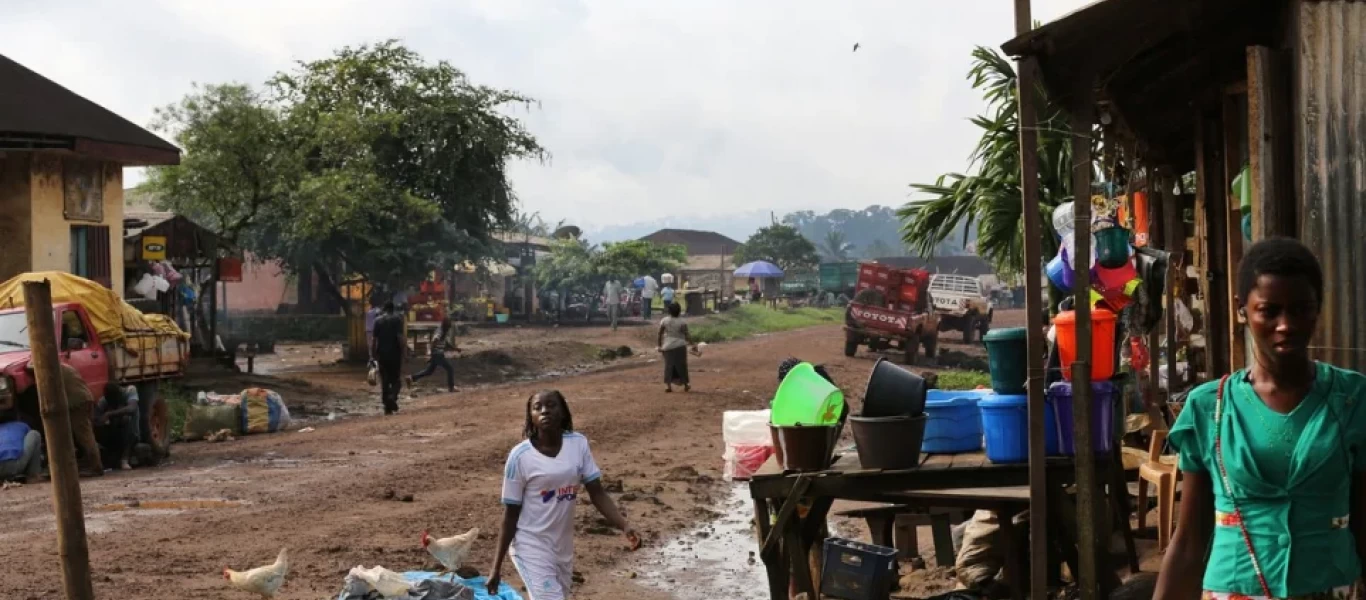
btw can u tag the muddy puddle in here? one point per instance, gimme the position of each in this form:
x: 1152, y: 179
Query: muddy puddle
x: 715, y: 559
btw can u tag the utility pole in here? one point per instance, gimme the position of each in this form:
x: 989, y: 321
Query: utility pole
x: 61, y: 451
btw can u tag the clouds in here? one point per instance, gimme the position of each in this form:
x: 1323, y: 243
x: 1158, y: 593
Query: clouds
x: 649, y: 108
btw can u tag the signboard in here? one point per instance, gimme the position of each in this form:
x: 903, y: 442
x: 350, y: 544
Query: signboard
x: 153, y: 247
x: 230, y: 269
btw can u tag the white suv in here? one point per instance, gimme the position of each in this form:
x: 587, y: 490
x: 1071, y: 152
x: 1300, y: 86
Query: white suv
x: 962, y: 303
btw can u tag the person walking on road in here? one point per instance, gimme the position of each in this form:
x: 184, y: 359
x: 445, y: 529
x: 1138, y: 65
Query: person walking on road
x: 443, y: 340
x: 612, y: 292
x: 674, y: 340
x: 541, y: 484
x: 647, y: 297
x: 388, y: 348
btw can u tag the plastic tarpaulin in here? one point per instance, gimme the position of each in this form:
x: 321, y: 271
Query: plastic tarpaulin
x: 112, y: 318
x: 434, y: 590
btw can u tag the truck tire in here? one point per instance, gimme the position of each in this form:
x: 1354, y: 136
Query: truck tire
x: 969, y: 329
x: 911, y: 346
x: 156, y: 421
x: 850, y: 345
x: 983, y: 326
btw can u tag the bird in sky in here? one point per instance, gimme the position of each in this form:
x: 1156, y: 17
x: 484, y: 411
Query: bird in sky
x: 856, y: 46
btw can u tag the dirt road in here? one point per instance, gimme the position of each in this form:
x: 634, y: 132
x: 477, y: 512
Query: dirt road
x: 360, y: 491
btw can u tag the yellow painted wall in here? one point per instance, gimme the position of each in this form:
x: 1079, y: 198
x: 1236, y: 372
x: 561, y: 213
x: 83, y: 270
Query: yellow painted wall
x: 51, y: 229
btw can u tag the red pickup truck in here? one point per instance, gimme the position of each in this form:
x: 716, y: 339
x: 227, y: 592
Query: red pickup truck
x: 142, y: 359
x: 892, y: 308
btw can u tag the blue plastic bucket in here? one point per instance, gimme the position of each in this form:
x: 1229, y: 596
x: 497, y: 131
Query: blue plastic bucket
x: 953, y: 422
x: 1057, y: 273
x: 1005, y: 427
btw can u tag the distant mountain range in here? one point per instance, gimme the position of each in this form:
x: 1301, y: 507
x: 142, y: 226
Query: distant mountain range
x: 875, y: 229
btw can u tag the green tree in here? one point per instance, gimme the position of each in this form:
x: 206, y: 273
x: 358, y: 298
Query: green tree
x: 835, y: 247
x: 377, y: 164
x: 990, y: 199
x: 577, y: 267
x: 880, y: 249
x: 781, y: 245
x: 232, y: 174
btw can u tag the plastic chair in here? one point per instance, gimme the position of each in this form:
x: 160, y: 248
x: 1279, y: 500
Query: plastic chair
x: 1164, y: 475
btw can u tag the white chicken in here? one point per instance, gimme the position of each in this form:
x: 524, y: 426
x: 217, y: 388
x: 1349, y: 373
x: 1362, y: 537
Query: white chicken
x: 388, y: 583
x: 451, y: 551
x: 263, y: 581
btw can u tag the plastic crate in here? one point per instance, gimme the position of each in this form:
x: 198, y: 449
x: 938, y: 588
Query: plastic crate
x: 857, y: 571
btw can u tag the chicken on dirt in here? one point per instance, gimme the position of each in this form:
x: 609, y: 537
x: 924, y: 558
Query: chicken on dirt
x: 451, y: 551
x: 263, y: 581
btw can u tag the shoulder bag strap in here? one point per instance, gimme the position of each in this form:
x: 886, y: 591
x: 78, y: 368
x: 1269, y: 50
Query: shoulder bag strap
x: 1228, y: 489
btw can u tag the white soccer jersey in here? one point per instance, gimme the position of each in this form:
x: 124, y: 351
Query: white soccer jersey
x: 547, y: 489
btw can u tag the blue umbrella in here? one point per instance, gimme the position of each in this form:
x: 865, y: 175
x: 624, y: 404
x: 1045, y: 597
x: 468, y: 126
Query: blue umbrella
x: 759, y: 268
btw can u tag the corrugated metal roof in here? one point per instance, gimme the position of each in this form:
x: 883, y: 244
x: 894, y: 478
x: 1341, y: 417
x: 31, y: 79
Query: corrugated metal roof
x: 1331, y: 115
x: 34, y: 106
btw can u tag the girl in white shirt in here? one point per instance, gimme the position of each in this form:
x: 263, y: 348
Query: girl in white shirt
x: 540, y: 488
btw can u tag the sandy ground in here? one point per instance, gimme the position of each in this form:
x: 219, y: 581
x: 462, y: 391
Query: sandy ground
x: 359, y: 491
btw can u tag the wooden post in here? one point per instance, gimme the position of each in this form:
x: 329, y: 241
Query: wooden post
x: 1268, y: 138
x: 1035, y: 341
x: 61, y: 451
x: 1083, y: 113
x: 1174, y: 237
x: 1211, y: 201
x: 1233, y: 226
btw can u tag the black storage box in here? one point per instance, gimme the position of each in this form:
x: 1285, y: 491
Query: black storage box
x: 857, y: 571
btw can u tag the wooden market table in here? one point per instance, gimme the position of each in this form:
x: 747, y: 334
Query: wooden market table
x: 791, y: 508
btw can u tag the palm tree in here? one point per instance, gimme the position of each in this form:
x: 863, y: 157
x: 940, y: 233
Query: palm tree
x: 879, y: 249
x: 835, y: 248
x: 991, y: 198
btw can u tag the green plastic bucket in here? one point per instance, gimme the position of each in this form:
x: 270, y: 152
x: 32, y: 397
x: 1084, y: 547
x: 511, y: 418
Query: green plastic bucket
x: 1008, y: 359
x: 806, y: 398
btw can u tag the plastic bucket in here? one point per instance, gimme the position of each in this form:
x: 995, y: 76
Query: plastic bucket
x: 500, y: 317
x: 1007, y: 358
x: 891, y: 443
x: 1005, y: 428
x: 804, y: 448
x: 1103, y: 396
x: 953, y: 423
x: 806, y: 398
x: 1102, y: 343
x: 1057, y: 273
x: 893, y: 391
x: 1112, y: 247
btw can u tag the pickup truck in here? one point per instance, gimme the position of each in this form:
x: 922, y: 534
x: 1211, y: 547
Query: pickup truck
x: 962, y: 303
x: 143, y: 358
x: 881, y: 328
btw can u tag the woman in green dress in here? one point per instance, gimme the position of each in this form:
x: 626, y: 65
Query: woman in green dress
x: 1273, y: 458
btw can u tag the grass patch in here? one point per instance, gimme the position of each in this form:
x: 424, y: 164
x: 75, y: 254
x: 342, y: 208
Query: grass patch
x: 178, y: 401
x: 963, y: 380
x: 749, y: 320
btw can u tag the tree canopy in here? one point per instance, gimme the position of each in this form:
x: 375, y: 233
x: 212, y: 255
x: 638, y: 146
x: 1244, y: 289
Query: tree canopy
x: 576, y: 266
x: 834, y: 248
x: 990, y: 199
x: 781, y: 245
x: 371, y: 162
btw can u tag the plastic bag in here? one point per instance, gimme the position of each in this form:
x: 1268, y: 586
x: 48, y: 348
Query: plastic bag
x: 146, y: 287
x: 748, y: 442
x: 429, y: 586
x: 263, y: 411
x: 742, y: 461
x: 372, y: 374
x: 202, y: 420
x: 978, y: 561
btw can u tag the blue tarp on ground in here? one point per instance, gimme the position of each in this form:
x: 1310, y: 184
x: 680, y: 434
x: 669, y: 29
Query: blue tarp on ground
x: 478, y: 584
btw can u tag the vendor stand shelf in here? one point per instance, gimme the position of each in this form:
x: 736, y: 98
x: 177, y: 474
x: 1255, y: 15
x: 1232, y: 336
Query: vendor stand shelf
x: 791, y: 508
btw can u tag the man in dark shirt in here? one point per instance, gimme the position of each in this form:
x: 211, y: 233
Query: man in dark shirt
x: 117, y: 424
x: 388, y: 348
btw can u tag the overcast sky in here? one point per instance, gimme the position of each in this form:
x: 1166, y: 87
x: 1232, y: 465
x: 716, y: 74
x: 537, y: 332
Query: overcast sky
x: 652, y: 109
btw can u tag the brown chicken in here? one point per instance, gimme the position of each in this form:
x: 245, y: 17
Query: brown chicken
x: 451, y: 551
x: 263, y: 581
